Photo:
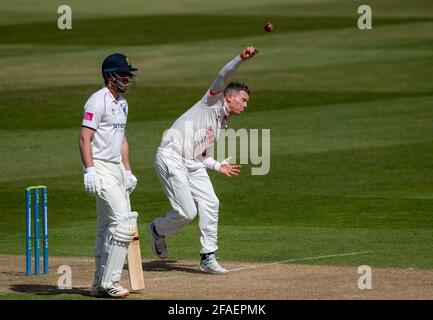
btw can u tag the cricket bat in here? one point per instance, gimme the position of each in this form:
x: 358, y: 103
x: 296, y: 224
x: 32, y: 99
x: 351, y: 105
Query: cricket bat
x: 135, y: 268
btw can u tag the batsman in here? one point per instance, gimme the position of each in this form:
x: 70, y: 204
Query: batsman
x: 107, y: 175
x: 182, y: 159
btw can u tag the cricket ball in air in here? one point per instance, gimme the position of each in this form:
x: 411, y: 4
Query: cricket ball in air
x: 268, y: 27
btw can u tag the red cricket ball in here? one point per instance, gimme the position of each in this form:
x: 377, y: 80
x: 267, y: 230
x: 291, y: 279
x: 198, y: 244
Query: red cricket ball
x: 268, y: 27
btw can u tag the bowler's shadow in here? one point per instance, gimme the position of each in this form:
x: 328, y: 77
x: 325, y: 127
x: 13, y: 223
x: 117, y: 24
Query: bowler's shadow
x: 168, y: 265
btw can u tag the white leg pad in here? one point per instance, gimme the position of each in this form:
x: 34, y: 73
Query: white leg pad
x: 119, y: 241
x: 113, y: 269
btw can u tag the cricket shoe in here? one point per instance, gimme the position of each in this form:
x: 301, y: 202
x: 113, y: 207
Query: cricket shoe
x: 117, y: 291
x: 157, y: 242
x: 210, y: 265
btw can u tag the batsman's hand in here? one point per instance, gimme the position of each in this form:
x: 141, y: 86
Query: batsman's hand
x: 92, y: 182
x: 230, y: 169
x: 131, y: 182
x: 248, y: 53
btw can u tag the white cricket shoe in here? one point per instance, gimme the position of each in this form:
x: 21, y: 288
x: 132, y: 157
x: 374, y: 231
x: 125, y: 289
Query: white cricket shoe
x: 117, y: 291
x: 157, y: 242
x: 211, y: 265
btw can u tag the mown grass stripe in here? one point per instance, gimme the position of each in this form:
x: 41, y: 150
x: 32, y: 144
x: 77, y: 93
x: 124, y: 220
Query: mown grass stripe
x: 147, y: 30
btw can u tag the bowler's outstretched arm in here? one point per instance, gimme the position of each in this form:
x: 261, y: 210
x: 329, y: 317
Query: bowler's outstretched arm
x: 218, y: 84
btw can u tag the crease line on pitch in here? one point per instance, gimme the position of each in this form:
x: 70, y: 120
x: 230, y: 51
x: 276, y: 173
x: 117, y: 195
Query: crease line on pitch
x: 301, y: 259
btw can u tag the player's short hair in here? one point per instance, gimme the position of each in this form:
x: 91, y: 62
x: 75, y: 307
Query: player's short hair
x: 236, y: 86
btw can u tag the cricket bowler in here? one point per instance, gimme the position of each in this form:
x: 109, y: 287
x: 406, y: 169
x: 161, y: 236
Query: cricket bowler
x: 181, y: 162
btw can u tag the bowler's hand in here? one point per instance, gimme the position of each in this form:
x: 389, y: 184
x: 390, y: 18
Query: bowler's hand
x: 230, y: 169
x: 248, y: 53
x: 131, y: 182
x: 92, y: 182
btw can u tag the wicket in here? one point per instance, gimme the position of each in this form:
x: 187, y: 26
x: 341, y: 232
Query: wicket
x: 36, y: 231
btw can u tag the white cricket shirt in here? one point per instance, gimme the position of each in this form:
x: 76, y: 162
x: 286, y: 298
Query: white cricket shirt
x: 107, y: 116
x: 198, y: 128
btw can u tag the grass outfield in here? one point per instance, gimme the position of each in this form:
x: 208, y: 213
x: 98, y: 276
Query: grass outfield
x: 349, y: 111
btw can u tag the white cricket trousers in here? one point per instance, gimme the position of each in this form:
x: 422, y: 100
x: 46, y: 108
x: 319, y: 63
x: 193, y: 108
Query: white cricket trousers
x: 111, y: 206
x: 189, y: 191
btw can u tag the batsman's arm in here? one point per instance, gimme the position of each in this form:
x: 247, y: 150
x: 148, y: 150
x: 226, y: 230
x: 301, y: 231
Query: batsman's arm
x: 132, y: 180
x: 218, y: 84
x: 86, y: 136
x: 125, y: 154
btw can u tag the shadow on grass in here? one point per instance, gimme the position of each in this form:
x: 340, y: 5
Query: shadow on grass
x: 51, y: 290
x: 48, y: 290
x: 169, y: 265
x: 12, y: 273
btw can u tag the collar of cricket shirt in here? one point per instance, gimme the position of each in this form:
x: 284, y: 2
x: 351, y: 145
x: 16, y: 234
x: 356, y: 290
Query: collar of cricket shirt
x: 224, y: 123
x: 113, y: 99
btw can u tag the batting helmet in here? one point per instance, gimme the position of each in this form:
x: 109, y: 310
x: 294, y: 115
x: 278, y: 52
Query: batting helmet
x: 114, y: 68
x: 117, y: 63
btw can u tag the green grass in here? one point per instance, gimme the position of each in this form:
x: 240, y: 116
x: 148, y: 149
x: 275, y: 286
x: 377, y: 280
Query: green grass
x: 176, y: 29
x: 349, y: 112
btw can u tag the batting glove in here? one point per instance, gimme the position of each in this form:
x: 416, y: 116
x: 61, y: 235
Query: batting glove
x: 92, y: 182
x: 131, y: 181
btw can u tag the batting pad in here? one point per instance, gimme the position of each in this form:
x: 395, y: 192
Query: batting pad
x: 115, y: 262
x: 116, y: 259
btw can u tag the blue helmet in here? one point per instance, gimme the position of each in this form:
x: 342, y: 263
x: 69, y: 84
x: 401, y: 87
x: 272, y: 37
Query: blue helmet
x: 117, y: 62
x: 116, y: 69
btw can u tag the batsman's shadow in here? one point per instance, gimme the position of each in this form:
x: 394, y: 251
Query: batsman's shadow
x: 47, y: 290
x: 169, y: 265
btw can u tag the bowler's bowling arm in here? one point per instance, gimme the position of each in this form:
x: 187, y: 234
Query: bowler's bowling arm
x: 218, y: 85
